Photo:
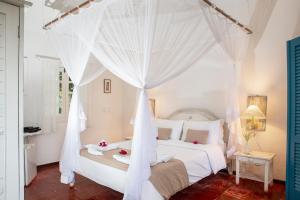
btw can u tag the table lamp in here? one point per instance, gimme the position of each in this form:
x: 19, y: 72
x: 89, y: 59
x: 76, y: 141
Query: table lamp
x: 252, y: 113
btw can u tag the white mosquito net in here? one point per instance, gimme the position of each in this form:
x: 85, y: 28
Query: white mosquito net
x: 143, y: 42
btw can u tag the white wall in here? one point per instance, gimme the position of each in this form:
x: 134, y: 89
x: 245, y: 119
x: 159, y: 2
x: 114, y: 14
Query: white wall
x: 201, y: 86
x: 129, y: 103
x: 104, y: 110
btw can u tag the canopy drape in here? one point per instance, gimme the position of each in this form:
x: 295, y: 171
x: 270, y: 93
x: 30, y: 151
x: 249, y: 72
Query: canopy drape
x: 72, y: 40
x: 147, y: 43
x: 234, y: 42
x: 143, y: 42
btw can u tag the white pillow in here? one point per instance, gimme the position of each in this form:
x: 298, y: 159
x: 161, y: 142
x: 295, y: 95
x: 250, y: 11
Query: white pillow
x: 175, y: 125
x: 215, y: 129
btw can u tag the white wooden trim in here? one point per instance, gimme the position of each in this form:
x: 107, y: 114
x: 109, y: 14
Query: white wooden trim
x: 14, y: 143
x: 19, y: 3
x: 21, y: 105
x: 266, y: 179
x: 237, y: 177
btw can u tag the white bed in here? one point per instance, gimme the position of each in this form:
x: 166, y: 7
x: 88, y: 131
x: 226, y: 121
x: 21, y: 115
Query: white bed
x: 199, y: 160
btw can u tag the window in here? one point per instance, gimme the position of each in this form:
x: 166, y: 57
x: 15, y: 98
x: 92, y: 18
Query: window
x: 70, y: 90
x: 60, y: 91
x: 65, y: 87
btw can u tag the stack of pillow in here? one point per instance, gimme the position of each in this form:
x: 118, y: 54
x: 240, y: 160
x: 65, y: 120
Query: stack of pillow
x: 198, y: 132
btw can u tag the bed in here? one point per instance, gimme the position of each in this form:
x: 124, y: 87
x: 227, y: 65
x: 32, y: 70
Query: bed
x: 200, y: 160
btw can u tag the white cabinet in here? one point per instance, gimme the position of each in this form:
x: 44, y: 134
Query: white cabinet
x: 30, y: 163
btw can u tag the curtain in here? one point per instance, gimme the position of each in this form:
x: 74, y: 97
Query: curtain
x: 143, y: 42
x: 234, y: 42
x: 50, y: 88
x: 72, y: 39
x: 147, y: 43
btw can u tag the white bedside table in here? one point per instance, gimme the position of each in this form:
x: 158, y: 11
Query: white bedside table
x: 257, y: 158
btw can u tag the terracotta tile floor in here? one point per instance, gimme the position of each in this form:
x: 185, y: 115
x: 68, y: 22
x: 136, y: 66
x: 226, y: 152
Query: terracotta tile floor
x: 46, y: 186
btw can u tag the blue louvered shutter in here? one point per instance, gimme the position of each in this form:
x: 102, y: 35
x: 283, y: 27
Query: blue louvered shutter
x: 293, y: 141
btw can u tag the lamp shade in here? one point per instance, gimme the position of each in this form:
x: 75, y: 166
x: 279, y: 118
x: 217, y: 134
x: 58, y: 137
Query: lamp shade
x: 253, y: 112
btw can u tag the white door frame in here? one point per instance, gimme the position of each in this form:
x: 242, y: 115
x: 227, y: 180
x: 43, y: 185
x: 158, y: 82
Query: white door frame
x: 21, y: 96
x: 14, y: 177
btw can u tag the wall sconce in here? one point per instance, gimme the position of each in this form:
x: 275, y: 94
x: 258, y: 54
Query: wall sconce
x: 261, y: 103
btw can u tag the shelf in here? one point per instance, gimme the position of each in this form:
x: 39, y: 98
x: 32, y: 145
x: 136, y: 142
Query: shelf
x: 33, y: 134
x: 254, y: 177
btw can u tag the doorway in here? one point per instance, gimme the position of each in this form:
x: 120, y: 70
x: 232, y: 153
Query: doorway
x: 11, y: 141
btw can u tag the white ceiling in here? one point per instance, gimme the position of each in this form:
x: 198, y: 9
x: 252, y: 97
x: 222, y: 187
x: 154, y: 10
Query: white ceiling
x: 63, y: 5
x: 17, y: 2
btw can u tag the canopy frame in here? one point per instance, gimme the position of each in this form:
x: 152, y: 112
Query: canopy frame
x: 208, y: 2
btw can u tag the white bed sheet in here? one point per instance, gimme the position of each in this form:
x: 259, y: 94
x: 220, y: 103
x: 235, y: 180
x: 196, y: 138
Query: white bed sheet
x: 199, y: 160
x: 196, y: 162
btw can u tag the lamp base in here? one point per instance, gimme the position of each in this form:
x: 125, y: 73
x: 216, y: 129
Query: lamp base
x: 246, y: 149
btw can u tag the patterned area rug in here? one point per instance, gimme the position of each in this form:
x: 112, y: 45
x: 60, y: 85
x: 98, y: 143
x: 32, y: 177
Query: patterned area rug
x: 222, y: 187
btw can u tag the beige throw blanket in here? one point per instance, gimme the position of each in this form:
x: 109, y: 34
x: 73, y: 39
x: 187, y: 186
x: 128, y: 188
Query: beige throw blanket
x: 167, y: 178
x: 105, y: 159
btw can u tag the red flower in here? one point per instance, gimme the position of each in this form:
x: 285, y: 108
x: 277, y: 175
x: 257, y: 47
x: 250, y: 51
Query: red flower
x: 195, y: 142
x: 123, y: 152
x: 102, y: 143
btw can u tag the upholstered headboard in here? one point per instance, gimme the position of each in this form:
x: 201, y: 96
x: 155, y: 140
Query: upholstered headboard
x: 193, y: 114
x: 197, y: 114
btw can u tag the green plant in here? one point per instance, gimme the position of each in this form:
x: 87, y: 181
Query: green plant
x: 248, y: 134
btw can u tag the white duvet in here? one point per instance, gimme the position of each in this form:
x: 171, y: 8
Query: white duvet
x: 200, y: 160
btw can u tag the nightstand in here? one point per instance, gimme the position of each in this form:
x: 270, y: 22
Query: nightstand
x: 257, y: 158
